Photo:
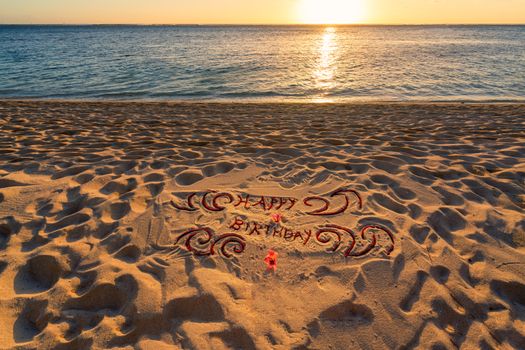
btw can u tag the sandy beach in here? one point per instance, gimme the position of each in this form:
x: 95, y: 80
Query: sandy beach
x: 132, y: 225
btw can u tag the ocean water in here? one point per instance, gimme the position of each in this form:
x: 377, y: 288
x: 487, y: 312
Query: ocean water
x: 312, y: 63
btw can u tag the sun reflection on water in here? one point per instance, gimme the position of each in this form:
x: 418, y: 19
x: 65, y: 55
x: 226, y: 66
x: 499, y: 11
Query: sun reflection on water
x: 325, y: 71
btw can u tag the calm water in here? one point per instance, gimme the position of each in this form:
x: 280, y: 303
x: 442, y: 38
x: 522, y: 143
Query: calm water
x: 269, y: 63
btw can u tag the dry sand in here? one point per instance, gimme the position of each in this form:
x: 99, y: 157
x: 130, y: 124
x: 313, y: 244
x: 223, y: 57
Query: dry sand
x: 111, y: 234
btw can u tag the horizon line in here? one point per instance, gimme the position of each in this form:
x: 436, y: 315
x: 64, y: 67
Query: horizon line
x: 262, y: 24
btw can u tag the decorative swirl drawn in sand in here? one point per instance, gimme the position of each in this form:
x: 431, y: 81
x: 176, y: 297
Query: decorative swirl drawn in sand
x: 323, y: 236
x: 324, y: 210
x: 214, y: 205
x: 375, y: 230
x: 327, y: 233
x: 202, y: 242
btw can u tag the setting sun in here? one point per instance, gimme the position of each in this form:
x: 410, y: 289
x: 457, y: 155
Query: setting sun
x: 331, y: 11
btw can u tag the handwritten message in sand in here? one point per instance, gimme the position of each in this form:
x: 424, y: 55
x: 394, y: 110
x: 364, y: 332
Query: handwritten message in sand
x: 211, y: 201
x: 240, y: 207
x: 248, y: 216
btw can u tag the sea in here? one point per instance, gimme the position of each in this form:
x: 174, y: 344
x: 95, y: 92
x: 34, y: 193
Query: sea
x: 263, y: 63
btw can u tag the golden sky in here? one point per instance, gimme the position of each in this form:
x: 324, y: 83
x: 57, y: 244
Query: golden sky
x: 262, y: 11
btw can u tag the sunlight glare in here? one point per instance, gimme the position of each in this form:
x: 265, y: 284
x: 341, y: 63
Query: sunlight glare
x: 325, y: 71
x: 331, y: 11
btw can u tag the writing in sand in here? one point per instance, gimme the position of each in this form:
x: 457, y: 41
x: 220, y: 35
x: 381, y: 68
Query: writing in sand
x: 241, y: 228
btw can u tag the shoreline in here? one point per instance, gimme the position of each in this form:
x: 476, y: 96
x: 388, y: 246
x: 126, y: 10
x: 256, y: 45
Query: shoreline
x: 261, y: 102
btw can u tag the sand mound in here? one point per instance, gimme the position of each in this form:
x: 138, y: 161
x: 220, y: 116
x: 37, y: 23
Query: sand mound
x: 145, y: 226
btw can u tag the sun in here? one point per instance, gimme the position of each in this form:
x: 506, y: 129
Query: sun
x: 331, y: 11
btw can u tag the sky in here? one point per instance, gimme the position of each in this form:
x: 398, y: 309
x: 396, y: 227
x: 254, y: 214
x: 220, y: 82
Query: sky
x: 262, y: 11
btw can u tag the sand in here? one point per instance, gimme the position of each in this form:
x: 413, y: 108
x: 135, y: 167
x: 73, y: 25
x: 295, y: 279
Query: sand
x: 146, y: 226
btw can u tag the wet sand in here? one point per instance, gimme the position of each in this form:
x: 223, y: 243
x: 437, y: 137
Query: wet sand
x: 146, y: 225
